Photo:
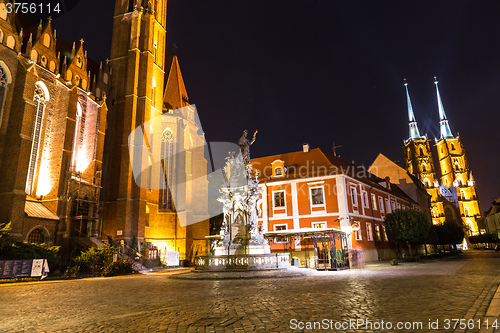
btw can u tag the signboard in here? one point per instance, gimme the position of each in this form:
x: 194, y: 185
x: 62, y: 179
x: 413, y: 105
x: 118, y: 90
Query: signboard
x: 172, y: 258
x: 24, y: 268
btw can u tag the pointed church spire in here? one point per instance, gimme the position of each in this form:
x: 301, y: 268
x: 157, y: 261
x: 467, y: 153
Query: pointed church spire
x: 443, y: 121
x: 414, y: 133
x: 39, y: 31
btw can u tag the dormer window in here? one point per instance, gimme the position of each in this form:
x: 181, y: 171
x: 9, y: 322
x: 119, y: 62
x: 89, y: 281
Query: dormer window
x: 278, y: 167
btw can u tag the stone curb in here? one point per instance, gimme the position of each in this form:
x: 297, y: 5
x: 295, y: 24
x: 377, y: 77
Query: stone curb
x: 236, y: 275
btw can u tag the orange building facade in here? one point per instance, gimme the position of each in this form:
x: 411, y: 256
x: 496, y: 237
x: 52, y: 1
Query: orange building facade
x: 308, y: 190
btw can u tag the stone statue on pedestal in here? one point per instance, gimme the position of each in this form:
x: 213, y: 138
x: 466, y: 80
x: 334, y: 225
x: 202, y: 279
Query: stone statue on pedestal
x: 241, y: 245
x: 245, y: 144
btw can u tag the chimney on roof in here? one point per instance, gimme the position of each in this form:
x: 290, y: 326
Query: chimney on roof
x: 305, y: 147
x: 388, y: 183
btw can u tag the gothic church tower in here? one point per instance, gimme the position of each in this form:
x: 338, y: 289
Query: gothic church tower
x: 146, y: 84
x: 456, y: 186
x: 419, y: 162
x: 455, y: 171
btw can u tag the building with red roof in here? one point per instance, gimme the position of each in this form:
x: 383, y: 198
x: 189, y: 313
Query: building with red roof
x: 312, y: 190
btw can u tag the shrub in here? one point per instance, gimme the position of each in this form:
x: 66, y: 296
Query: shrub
x: 96, y: 258
x: 118, y: 267
x: 27, y: 251
x: 72, y: 272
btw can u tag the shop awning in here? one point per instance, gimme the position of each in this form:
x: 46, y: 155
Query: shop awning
x: 304, y: 232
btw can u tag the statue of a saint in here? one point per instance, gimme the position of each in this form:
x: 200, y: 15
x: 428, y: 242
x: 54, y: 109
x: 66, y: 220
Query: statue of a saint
x: 245, y: 144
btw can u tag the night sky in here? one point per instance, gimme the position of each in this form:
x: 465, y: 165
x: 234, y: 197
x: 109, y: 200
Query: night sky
x: 324, y: 71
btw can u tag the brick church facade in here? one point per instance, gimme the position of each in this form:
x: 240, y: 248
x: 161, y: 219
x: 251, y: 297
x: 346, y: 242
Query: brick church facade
x: 147, y: 85
x: 64, y: 159
x: 52, y: 128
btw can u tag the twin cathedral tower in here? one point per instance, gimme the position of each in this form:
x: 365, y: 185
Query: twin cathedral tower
x: 455, y: 191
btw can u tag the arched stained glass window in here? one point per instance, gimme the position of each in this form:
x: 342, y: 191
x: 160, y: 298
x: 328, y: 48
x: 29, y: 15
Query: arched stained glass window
x: 5, y: 81
x: 167, y: 151
x: 36, y: 236
x: 3, y: 86
x: 39, y: 100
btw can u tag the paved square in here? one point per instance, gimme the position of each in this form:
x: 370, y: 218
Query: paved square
x: 454, y: 288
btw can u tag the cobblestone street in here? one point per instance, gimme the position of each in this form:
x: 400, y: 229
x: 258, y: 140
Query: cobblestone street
x: 454, y: 288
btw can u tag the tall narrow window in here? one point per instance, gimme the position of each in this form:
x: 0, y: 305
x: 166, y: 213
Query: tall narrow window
x: 167, y: 147
x: 78, y: 137
x: 365, y: 200
x: 153, y: 97
x: 374, y: 201
x: 369, y: 231
x: 354, y: 196
x: 381, y: 204
x: 155, y: 51
x: 37, y: 126
x: 3, y: 87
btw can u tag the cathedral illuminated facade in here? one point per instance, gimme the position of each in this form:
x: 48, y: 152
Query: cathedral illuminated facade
x: 454, y: 192
x: 64, y: 157
x: 147, y: 84
x: 52, y: 128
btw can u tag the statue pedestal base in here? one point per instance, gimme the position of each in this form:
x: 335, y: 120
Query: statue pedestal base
x: 243, y: 250
x: 244, y: 262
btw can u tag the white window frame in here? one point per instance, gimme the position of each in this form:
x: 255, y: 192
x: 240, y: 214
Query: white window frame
x: 322, y: 193
x: 357, y: 233
x: 378, y: 235
x: 276, y: 173
x: 274, y: 202
x: 388, y: 205
x: 398, y: 205
x: 381, y: 204
x: 393, y: 205
x: 369, y: 232
x: 274, y: 229
x: 364, y: 196
x: 374, y: 201
x: 315, y: 224
x: 354, y: 196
